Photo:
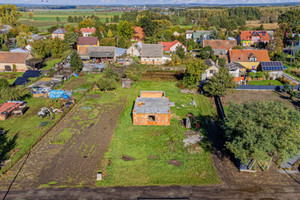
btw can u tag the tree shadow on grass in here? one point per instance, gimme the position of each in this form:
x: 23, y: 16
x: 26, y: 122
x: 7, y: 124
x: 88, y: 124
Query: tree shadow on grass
x: 6, y: 145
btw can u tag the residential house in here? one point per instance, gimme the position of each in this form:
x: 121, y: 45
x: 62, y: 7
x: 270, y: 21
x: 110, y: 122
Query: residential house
x: 235, y: 69
x: 134, y: 50
x: 212, y: 69
x: 59, y: 33
x: 4, y: 29
x: 189, y: 34
x: 99, y: 54
x: 9, y: 59
x: 138, y: 33
x: 250, y: 59
x: 152, y: 108
x: 170, y: 47
x: 275, y: 68
x: 86, y: 32
x: 249, y: 38
x: 87, y: 42
x: 197, y: 36
x: 25, y: 49
x: 220, y: 47
x: 151, y: 54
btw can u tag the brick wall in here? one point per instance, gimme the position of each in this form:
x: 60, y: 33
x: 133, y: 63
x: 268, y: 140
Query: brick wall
x: 152, y: 94
x: 147, y: 119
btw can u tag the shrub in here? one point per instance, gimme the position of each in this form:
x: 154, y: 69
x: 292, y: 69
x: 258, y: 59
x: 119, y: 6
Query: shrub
x: 14, y: 69
x: 110, y: 74
x: 106, y: 84
x: 134, y: 72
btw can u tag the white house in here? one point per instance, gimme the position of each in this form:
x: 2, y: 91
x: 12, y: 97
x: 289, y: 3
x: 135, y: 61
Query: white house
x: 210, y: 71
x: 134, y: 50
x: 189, y: 34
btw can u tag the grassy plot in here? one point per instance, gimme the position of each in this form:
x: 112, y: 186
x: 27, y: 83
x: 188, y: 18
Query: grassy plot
x: 10, y: 76
x: 25, y: 129
x: 153, y: 146
x: 49, y: 64
x: 265, y: 82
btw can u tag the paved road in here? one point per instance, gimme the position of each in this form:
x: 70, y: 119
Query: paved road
x: 157, y: 192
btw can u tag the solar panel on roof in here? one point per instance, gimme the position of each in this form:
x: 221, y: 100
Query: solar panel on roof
x: 20, y: 81
x: 30, y: 73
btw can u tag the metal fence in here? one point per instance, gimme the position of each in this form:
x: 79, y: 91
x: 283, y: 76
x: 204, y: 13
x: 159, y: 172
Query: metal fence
x: 263, y: 87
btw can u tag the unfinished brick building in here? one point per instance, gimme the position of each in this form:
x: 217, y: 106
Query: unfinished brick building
x: 152, y: 108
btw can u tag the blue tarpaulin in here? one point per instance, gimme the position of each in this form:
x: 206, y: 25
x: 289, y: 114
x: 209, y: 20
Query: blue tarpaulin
x: 55, y: 94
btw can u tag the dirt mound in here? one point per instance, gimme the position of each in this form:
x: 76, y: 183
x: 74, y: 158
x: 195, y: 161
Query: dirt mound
x: 127, y: 158
x: 176, y: 163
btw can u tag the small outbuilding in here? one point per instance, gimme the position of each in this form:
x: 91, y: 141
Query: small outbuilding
x: 152, y: 108
x: 126, y: 83
x: 11, y: 107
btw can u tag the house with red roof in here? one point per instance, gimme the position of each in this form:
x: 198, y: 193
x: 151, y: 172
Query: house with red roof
x: 170, y: 47
x: 250, y: 59
x: 86, y: 32
x: 249, y: 38
x: 220, y: 47
x: 138, y: 34
x: 10, y: 59
x: 87, y: 42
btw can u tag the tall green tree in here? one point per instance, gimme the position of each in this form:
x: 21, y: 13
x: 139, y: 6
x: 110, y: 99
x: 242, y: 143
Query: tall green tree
x: 262, y: 130
x: 180, y: 52
x: 9, y: 15
x: 76, y: 62
x: 40, y: 48
x: 206, y: 53
x: 194, y: 70
x: 71, y: 39
x: 125, y: 29
x: 220, y: 84
x: 57, y: 48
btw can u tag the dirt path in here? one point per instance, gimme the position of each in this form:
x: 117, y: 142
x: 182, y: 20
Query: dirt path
x: 71, y: 153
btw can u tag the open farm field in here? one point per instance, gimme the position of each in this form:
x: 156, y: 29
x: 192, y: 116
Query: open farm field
x: 267, y: 26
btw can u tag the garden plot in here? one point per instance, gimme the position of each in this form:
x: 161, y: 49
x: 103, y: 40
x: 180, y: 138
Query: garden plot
x: 70, y: 154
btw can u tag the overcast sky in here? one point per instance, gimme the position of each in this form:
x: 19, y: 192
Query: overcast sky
x: 133, y: 2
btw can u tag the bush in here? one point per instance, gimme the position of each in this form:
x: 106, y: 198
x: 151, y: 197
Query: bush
x: 106, y: 84
x: 110, y: 74
x: 3, y: 83
x: 134, y: 72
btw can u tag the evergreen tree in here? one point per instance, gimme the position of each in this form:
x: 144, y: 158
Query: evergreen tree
x: 76, y: 62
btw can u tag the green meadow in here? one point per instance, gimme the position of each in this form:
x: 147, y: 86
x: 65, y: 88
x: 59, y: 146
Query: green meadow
x: 152, y: 147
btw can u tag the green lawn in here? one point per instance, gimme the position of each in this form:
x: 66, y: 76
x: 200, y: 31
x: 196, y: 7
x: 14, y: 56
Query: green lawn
x: 25, y: 128
x: 51, y: 63
x: 265, y: 82
x: 161, y: 142
x: 10, y: 76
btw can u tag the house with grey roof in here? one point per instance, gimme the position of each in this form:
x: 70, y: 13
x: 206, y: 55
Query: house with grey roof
x: 235, y: 69
x: 212, y: 69
x: 59, y: 33
x: 152, y: 54
x: 152, y: 108
x: 99, y: 54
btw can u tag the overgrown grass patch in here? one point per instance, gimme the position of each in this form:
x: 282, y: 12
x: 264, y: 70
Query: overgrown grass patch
x: 153, y: 146
x: 265, y: 82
